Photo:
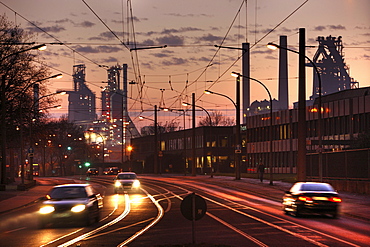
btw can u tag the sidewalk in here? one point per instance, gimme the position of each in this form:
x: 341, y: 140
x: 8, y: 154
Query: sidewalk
x: 354, y: 205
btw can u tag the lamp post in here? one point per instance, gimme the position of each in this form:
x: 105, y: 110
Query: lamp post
x: 184, y: 136
x: 155, y: 138
x: 211, y: 126
x: 35, y: 108
x: 302, y: 115
x: 271, y: 123
x: 237, y: 134
x: 3, y: 117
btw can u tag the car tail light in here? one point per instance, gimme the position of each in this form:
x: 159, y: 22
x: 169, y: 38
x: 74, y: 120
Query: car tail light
x: 304, y: 198
x: 335, y: 199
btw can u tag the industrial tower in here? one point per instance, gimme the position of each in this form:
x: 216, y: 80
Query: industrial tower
x: 329, y: 59
x: 81, y: 108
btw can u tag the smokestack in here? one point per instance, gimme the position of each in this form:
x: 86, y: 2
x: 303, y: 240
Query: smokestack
x: 283, y: 74
x: 246, y: 82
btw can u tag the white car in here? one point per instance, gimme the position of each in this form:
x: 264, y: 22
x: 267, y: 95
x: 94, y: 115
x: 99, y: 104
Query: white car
x: 126, y: 181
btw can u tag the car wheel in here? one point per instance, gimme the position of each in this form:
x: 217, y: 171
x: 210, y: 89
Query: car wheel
x: 297, y: 212
x: 42, y: 224
x: 334, y: 215
x: 97, y: 217
x: 284, y: 210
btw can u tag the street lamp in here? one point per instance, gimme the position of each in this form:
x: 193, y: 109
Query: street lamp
x: 302, y: 111
x: 155, y: 138
x: 211, y: 126
x: 3, y: 117
x: 271, y: 125
x: 36, y: 109
x: 102, y: 141
x: 184, y: 136
x: 237, y: 134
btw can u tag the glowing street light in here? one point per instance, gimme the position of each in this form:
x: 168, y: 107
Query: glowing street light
x: 271, y: 126
x: 237, y: 133
x: 301, y: 159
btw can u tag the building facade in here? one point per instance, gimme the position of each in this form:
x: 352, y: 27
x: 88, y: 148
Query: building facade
x: 345, y: 115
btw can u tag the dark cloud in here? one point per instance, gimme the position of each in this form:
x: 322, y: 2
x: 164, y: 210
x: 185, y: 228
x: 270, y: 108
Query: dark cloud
x: 85, y: 24
x: 204, y: 59
x: 319, y: 28
x: 137, y: 19
x: 174, y: 61
x: 106, y: 36
x: 180, y: 30
x: 210, y: 38
x: 51, y: 29
x: 336, y: 27
x: 161, y: 55
x: 171, y: 40
x: 148, y: 42
x: 98, y: 49
x: 109, y: 60
x: 271, y: 57
x: 147, y: 65
x: 64, y: 21
x: 264, y: 51
x: 164, y: 53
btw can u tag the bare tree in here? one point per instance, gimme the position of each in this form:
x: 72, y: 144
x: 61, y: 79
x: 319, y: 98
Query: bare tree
x: 217, y: 119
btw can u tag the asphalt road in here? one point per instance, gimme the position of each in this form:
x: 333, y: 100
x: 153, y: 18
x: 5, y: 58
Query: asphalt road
x: 234, y: 217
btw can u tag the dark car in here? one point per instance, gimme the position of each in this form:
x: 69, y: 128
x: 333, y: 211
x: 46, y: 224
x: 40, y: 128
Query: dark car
x: 92, y: 171
x: 311, y: 198
x: 111, y: 171
x: 126, y: 181
x: 78, y: 203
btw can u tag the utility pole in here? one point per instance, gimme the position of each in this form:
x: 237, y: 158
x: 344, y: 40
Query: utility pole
x: 3, y: 135
x: 194, y: 165
x: 301, y: 159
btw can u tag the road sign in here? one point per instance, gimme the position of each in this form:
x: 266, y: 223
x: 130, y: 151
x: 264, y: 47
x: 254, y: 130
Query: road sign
x: 193, y: 207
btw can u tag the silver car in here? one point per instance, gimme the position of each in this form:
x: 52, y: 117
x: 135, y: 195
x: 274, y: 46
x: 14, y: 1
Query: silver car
x: 126, y: 181
x: 78, y: 203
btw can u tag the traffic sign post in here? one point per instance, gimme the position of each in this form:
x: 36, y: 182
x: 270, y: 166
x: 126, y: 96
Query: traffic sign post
x: 193, y: 208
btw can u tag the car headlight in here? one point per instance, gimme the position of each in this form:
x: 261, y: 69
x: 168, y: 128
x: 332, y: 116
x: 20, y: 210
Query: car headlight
x: 47, y: 210
x: 136, y: 184
x: 117, y: 184
x: 78, y: 208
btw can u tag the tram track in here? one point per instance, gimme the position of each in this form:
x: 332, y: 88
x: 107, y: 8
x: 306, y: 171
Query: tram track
x: 306, y: 234
x: 102, y: 230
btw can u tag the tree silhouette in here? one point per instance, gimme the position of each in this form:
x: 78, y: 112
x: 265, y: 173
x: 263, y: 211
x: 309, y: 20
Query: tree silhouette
x: 217, y: 119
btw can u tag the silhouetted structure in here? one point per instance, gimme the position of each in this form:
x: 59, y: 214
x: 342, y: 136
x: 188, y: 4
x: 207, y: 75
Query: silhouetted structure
x: 329, y: 59
x: 81, y: 108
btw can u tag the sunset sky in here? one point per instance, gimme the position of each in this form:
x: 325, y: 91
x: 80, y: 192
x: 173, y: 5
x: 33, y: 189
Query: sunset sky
x: 190, y: 29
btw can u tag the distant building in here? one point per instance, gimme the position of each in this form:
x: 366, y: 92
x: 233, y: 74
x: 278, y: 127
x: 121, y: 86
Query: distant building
x: 81, y: 108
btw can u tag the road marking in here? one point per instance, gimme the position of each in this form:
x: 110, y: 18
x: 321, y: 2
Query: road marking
x: 159, y: 216
x: 88, y: 234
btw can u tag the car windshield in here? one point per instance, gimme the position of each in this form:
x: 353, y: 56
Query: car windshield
x: 316, y: 187
x: 68, y: 193
x: 126, y: 176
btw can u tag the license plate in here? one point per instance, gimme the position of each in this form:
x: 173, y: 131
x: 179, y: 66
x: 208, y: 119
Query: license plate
x: 61, y: 215
x: 319, y: 198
